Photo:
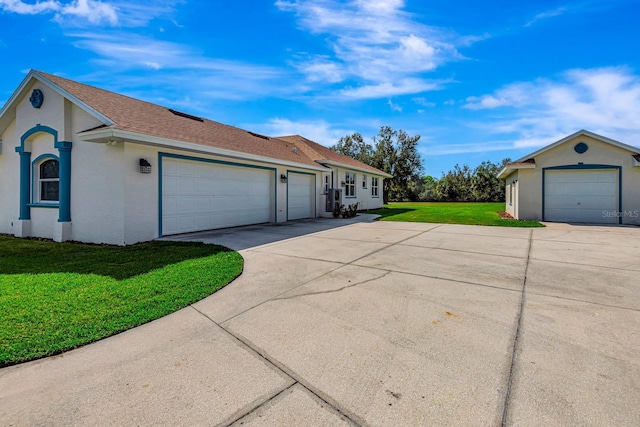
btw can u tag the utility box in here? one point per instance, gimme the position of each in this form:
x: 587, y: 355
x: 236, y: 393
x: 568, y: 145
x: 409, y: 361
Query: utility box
x: 334, y: 197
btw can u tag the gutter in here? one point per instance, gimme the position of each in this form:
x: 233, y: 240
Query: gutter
x: 106, y: 136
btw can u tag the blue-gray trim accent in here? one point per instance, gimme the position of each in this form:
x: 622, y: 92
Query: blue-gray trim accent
x: 315, y: 191
x: 25, y: 167
x: 37, y: 98
x: 161, y: 155
x: 583, y: 166
x: 37, y: 128
x: 26, y: 174
x: 581, y: 148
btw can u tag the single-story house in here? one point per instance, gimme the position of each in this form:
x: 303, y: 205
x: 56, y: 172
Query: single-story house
x: 85, y: 164
x: 583, y: 178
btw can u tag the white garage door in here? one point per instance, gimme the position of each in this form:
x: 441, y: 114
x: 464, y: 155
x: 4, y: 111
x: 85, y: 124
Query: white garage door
x: 199, y: 195
x: 300, y: 196
x: 581, y: 195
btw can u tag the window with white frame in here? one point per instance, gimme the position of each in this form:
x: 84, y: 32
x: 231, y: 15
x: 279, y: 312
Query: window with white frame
x: 327, y: 184
x: 374, y: 186
x: 48, y: 178
x: 350, y: 184
x: 364, y: 181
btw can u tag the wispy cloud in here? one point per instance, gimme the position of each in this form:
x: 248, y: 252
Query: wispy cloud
x: 319, y: 131
x: 393, y: 106
x: 92, y: 11
x: 374, y: 43
x: 81, y: 13
x: 603, y: 100
x: 547, y: 14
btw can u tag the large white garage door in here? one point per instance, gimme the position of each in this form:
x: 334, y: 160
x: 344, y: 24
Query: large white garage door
x: 198, y: 195
x: 301, y: 196
x: 581, y: 195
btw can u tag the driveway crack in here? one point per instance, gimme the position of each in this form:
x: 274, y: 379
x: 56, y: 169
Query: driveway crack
x: 516, y: 338
x: 334, y: 290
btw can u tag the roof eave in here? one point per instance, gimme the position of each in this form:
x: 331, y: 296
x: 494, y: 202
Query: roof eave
x: 359, y: 169
x: 509, y: 169
x: 111, y: 135
x: 8, y: 111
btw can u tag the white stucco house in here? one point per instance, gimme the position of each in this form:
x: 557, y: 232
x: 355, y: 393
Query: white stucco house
x: 81, y: 163
x: 583, y: 178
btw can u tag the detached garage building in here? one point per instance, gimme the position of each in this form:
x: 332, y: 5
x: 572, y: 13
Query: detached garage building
x: 81, y: 163
x: 583, y: 178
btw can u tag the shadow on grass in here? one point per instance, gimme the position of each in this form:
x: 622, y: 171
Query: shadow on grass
x: 388, y: 212
x: 26, y: 256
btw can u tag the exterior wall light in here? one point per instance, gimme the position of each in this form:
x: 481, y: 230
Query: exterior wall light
x: 145, y: 166
x: 283, y: 178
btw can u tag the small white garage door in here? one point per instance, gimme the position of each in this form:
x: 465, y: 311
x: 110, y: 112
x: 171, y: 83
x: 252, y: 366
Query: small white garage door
x: 200, y: 195
x: 300, y: 196
x: 581, y: 195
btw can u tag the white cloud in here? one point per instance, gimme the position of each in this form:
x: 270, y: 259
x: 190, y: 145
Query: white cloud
x: 394, y: 107
x: 423, y: 102
x: 402, y: 87
x: 91, y: 10
x: 315, y: 130
x: 603, y: 100
x: 124, y: 13
x: 375, y: 43
x: 173, y: 64
x: 547, y: 14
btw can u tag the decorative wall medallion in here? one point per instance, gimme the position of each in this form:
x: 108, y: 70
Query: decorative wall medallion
x: 581, y: 147
x: 37, y: 98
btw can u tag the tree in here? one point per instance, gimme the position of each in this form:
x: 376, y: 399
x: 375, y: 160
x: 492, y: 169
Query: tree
x: 393, y: 152
x: 455, y: 185
x: 396, y: 153
x: 354, y: 146
x: 485, y: 184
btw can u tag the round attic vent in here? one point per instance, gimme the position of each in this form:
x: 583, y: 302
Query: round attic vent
x: 294, y: 150
x: 581, y: 147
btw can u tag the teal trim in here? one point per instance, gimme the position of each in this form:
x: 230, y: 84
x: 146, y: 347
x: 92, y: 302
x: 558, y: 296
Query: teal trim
x: 45, y: 156
x: 315, y: 191
x: 25, y: 166
x: 44, y: 205
x: 37, y: 128
x: 65, y: 181
x: 159, y: 195
x: 583, y: 166
x: 27, y: 174
x: 162, y: 155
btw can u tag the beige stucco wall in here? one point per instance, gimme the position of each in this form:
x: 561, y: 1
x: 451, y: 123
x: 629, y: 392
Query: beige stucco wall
x: 530, y: 180
x: 511, y: 188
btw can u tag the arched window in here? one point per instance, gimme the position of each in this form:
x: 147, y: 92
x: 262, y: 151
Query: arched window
x: 49, y: 181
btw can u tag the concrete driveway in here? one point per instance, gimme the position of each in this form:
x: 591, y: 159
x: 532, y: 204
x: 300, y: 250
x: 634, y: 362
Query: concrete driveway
x: 373, y: 323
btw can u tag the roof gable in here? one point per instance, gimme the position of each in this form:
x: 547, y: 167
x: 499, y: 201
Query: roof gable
x: 324, y: 155
x: 631, y: 149
x: 143, y: 121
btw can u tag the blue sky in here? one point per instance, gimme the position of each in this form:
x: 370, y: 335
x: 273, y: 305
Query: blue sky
x: 477, y: 80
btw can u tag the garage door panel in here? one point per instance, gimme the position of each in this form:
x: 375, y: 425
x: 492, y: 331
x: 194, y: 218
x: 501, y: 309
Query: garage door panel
x: 581, y: 195
x: 202, y: 195
x: 300, y: 196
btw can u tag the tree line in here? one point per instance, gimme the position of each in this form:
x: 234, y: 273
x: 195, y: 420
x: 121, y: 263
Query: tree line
x: 396, y: 153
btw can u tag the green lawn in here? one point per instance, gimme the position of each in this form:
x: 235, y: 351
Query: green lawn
x: 58, y: 296
x: 450, y: 213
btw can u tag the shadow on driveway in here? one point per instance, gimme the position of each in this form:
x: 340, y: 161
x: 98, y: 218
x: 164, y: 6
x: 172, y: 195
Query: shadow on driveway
x: 240, y: 238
